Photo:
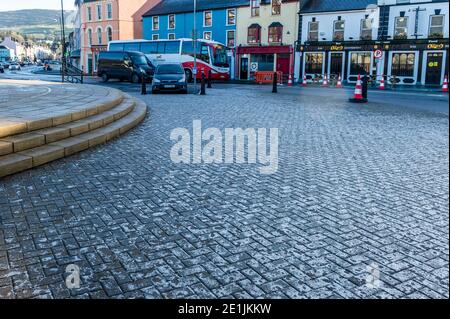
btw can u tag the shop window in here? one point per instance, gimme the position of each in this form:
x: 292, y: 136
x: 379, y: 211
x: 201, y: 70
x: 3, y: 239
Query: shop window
x: 276, y: 7
x: 276, y: 33
x: 338, y: 31
x: 401, y: 28
x: 313, y: 31
x: 231, y: 38
x: 155, y: 23
x: 265, y: 62
x: 254, y: 34
x: 403, y: 64
x: 171, y: 21
x: 314, y: 63
x: 436, y: 27
x: 231, y: 17
x: 366, y: 29
x: 255, y: 6
x: 360, y: 63
x: 207, y: 18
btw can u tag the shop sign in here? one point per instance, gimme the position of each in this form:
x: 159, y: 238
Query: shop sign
x: 254, y: 66
x: 435, y: 46
x: 337, y: 48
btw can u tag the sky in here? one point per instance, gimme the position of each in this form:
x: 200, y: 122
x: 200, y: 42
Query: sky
x: 9, y: 5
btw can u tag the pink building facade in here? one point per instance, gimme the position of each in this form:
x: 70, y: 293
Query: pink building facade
x: 103, y: 21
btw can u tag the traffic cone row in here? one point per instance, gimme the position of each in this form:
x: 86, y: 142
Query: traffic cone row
x: 445, y: 85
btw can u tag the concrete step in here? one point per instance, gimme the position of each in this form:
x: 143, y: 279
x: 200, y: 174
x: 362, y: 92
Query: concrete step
x: 25, y: 141
x: 39, y: 155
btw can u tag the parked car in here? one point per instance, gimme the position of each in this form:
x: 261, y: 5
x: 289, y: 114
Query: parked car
x: 121, y: 65
x: 6, y: 65
x: 169, y: 77
x: 2, y: 69
x: 14, y: 66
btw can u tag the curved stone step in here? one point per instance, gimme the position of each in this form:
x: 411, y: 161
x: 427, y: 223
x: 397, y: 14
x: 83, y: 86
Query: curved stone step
x: 25, y: 141
x: 17, y: 162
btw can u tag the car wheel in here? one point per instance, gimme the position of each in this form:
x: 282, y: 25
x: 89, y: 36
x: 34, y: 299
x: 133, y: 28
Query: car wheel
x: 105, y: 77
x: 189, y: 77
x: 135, y: 78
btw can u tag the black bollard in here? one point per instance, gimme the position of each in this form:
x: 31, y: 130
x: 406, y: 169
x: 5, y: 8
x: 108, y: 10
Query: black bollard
x: 209, y: 79
x: 275, y: 83
x: 203, y: 84
x: 144, y: 85
x: 365, y: 86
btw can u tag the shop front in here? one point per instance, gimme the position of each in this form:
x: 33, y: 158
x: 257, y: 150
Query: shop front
x: 252, y: 59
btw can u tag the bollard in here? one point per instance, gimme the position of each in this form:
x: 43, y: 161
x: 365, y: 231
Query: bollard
x: 203, y: 84
x: 209, y: 79
x: 275, y: 83
x: 365, y: 86
x: 144, y: 85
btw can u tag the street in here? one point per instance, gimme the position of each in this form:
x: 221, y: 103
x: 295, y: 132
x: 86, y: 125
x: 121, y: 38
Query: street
x: 359, y: 188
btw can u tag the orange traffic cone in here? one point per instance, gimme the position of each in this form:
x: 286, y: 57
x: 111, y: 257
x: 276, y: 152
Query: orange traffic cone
x: 445, y: 85
x: 339, y: 82
x: 382, y: 86
x: 305, y: 81
x: 325, y: 81
x: 290, y: 80
x: 358, y: 96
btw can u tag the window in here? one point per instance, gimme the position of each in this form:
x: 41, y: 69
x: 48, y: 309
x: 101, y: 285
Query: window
x: 109, y: 11
x: 403, y: 64
x: 171, y: 36
x: 155, y: 36
x: 133, y: 46
x: 360, y: 63
x: 436, y: 27
x: 171, y: 21
x: 275, y: 33
x: 155, y: 23
x: 116, y: 47
x: 254, y: 34
x: 99, y: 35
x: 276, y: 7
x: 314, y: 63
x: 89, y: 14
x: 109, y: 35
x: 266, y: 62
x: 231, y: 17
x: 366, y: 29
x: 231, y: 38
x: 401, y: 28
x: 207, y: 35
x: 149, y: 47
x: 255, y: 5
x: 89, y: 32
x: 338, y: 32
x: 172, y: 47
x: 207, y: 19
x: 313, y: 31
x: 99, y: 12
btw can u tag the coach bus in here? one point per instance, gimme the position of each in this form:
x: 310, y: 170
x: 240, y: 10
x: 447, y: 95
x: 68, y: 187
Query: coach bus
x: 210, y: 55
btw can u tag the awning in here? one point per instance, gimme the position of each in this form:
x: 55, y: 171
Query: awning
x: 75, y: 54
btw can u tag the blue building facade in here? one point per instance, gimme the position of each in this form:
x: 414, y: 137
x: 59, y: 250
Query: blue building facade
x: 173, y: 19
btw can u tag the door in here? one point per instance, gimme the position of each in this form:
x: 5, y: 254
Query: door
x: 336, y: 63
x: 434, y: 68
x: 283, y: 64
x: 244, y: 69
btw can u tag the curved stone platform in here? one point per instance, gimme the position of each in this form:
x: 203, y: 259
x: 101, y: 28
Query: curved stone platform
x: 41, y: 121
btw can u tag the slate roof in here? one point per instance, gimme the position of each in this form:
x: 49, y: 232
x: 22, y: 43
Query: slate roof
x: 311, y: 6
x: 180, y: 6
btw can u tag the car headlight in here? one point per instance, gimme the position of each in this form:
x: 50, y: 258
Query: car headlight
x: 155, y: 80
x: 182, y: 80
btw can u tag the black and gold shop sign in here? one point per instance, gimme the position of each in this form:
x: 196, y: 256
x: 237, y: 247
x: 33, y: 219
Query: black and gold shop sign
x: 337, y: 48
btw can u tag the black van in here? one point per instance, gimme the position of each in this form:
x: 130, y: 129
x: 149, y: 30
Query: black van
x: 124, y: 66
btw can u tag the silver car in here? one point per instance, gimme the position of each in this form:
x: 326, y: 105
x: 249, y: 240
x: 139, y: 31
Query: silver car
x: 15, y: 67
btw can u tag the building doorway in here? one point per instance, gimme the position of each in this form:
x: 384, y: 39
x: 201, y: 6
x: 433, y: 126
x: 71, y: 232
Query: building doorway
x: 336, y: 63
x: 434, y: 68
x: 283, y: 64
x: 244, y: 69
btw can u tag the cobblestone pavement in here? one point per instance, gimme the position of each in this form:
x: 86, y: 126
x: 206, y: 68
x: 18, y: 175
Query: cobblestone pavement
x: 357, y: 186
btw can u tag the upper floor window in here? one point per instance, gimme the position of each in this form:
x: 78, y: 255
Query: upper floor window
x: 338, y: 31
x: 276, y: 33
x: 313, y: 31
x: 254, y: 34
x: 366, y: 29
x: 207, y: 18
x: 207, y: 35
x: 401, y: 28
x: 109, y: 35
x: 231, y: 38
x: 89, y: 14
x: 89, y: 32
x: 109, y: 11
x: 171, y: 21
x: 436, y: 26
x: 155, y: 23
x: 99, y: 36
x: 231, y: 17
x: 276, y: 7
x: 99, y: 12
x: 155, y: 36
x: 171, y: 36
x: 255, y: 5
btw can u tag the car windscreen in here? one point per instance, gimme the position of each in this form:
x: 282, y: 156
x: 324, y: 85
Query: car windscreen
x: 169, y: 69
x: 139, y: 59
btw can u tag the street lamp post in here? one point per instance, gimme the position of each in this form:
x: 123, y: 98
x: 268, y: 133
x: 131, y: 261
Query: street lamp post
x: 195, y: 46
x: 63, y: 40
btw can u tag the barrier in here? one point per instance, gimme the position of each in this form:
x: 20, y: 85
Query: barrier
x: 266, y: 77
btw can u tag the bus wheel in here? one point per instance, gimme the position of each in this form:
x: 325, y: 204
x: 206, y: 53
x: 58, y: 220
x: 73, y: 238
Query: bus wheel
x: 189, y: 77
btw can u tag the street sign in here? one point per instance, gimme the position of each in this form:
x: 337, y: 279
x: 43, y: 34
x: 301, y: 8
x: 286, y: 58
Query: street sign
x: 194, y: 71
x: 254, y: 66
x: 378, y: 54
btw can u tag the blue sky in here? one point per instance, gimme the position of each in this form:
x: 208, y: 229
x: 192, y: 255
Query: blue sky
x: 8, y: 5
